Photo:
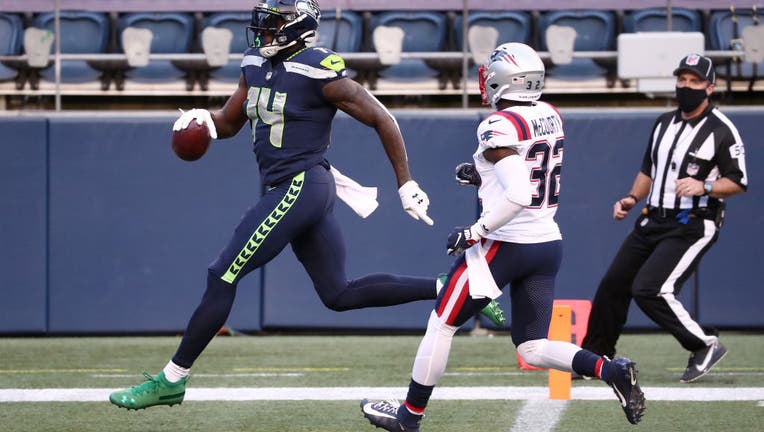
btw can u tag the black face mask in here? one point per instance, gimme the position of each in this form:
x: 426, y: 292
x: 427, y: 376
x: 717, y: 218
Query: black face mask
x: 689, y: 99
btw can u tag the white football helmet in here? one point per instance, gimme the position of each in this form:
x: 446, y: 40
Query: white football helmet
x: 514, y: 71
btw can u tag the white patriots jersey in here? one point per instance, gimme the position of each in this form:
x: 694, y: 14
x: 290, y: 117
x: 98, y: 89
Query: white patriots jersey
x: 535, y: 132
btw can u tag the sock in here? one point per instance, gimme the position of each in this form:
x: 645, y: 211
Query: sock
x: 174, y: 373
x: 589, y: 364
x: 415, y: 404
x: 407, y: 417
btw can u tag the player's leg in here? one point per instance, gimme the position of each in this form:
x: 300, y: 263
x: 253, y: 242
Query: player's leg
x: 610, y: 306
x: 453, y: 308
x: 659, y: 282
x: 532, y: 297
x: 321, y: 250
x: 261, y: 234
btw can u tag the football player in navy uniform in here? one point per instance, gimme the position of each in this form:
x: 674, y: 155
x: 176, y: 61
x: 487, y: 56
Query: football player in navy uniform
x: 289, y: 93
x: 515, y: 242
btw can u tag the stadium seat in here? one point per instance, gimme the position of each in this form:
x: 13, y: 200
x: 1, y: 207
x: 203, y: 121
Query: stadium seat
x: 173, y: 33
x: 723, y: 36
x: 422, y: 32
x: 11, y: 29
x: 656, y: 19
x: 340, y: 31
x: 81, y: 33
x: 595, y: 31
x: 512, y: 26
x: 237, y: 23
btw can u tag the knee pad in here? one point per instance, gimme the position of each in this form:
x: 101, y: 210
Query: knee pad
x: 531, y: 350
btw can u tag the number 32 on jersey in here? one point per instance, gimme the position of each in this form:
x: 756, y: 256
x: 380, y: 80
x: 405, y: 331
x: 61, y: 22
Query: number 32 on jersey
x: 545, y: 174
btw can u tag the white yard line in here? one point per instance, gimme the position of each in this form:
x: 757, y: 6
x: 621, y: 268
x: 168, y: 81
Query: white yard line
x: 539, y: 415
x: 689, y: 393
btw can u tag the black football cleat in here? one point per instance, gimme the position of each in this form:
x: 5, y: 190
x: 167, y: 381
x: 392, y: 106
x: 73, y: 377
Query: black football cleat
x: 384, y: 414
x: 623, y: 381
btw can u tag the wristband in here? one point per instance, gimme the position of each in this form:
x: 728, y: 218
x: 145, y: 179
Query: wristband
x: 634, y: 197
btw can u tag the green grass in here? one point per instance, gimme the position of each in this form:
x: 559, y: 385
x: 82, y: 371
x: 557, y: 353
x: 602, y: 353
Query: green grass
x: 349, y: 361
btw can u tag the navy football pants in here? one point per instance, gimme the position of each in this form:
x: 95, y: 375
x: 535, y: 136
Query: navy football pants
x: 297, y: 212
x: 530, y: 271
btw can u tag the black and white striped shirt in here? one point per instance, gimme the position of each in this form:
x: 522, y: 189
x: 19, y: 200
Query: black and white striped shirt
x: 706, y: 148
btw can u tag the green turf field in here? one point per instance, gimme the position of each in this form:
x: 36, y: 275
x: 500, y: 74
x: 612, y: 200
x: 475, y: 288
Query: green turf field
x: 316, y: 366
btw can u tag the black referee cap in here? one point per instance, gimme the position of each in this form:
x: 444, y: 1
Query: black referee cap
x: 699, y: 65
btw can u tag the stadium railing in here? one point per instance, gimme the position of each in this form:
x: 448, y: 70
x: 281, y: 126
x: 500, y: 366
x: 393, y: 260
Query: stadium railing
x: 452, y: 55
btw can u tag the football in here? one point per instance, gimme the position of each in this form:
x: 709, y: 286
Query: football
x: 192, y: 142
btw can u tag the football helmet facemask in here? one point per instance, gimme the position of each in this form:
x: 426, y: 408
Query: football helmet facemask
x: 289, y: 22
x: 514, y: 72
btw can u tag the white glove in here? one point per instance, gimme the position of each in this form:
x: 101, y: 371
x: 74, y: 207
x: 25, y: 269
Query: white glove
x: 415, y: 201
x: 202, y: 116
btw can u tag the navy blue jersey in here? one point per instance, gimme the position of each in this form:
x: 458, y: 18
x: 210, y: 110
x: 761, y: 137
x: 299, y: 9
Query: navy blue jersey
x: 291, y: 120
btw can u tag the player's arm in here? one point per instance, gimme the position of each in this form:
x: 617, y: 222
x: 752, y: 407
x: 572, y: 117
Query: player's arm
x: 231, y: 118
x: 223, y: 123
x: 513, y: 176
x: 350, y: 97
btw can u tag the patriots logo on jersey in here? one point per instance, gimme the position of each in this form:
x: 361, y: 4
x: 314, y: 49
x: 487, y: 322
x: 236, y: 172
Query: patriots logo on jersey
x: 489, y: 134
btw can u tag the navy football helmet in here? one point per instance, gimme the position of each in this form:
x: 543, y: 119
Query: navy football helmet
x: 289, y: 21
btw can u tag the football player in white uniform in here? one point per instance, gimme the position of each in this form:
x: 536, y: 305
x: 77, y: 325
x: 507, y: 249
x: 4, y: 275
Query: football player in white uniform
x: 515, y: 242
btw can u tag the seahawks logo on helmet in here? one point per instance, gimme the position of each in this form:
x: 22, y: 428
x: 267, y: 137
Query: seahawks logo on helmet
x: 289, y: 22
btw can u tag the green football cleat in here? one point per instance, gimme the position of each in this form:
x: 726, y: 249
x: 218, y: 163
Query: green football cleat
x: 154, y: 391
x: 492, y: 311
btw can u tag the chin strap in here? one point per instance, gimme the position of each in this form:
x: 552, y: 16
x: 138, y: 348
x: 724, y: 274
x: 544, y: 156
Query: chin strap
x: 269, y: 51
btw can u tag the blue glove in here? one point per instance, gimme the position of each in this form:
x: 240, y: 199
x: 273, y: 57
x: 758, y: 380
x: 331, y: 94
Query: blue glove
x: 466, y: 174
x: 461, y: 239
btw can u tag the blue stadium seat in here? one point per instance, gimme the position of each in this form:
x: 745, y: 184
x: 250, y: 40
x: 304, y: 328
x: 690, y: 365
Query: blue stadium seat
x: 513, y: 26
x: 81, y: 33
x: 423, y: 32
x: 11, y: 35
x: 237, y: 23
x: 722, y: 33
x: 656, y: 19
x: 595, y: 32
x: 342, y: 33
x: 173, y: 34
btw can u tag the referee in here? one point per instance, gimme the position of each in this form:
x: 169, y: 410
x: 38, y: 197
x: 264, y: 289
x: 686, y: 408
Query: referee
x: 694, y: 160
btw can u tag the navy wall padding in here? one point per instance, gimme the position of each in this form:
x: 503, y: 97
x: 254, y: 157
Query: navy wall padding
x: 730, y: 292
x: 23, y: 212
x: 133, y: 228
x: 104, y: 230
